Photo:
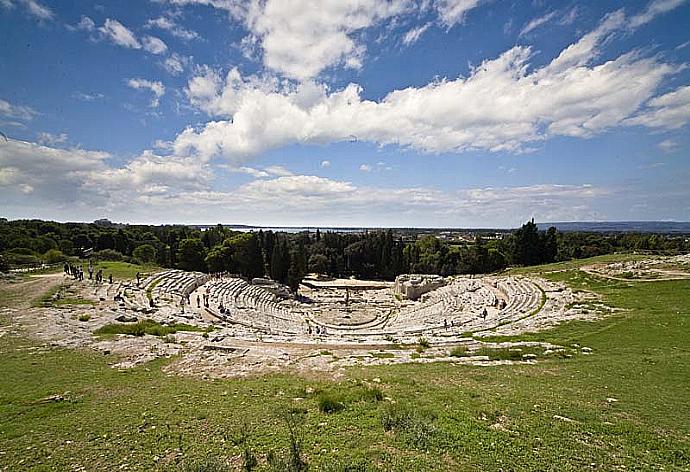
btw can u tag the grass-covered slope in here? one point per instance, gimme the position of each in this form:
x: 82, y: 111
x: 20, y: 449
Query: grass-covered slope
x: 623, y: 407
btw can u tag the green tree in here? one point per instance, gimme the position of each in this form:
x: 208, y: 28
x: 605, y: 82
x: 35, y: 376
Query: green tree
x: 145, y: 253
x: 53, y: 256
x: 191, y: 254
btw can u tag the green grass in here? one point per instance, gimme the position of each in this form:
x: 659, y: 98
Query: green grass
x: 124, y: 270
x: 440, y: 416
x: 149, y: 290
x: 143, y: 327
x: 383, y: 355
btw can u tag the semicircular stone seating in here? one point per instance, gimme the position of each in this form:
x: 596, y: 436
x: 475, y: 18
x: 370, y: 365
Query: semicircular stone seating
x: 252, y: 306
x: 463, y: 304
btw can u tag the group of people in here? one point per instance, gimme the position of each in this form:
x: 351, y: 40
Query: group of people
x: 77, y: 272
x: 317, y: 329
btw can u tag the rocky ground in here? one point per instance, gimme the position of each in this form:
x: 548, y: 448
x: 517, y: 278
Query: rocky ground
x: 72, y: 311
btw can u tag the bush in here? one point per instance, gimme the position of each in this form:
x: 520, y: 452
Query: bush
x: 330, y: 403
x: 372, y: 394
x: 53, y: 256
x: 84, y: 317
x: 459, y: 351
x: 418, y: 430
x: 21, y: 257
x: 423, y: 343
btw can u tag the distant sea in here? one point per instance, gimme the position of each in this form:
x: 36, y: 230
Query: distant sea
x: 588, y: 226
x: 621, y: 226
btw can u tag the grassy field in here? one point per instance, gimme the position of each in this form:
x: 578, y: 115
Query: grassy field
x: 122, y: 270
x: 623, y: 407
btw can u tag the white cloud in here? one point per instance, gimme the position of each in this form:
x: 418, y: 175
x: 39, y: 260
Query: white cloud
x: 156, y: 87
x: 119, y: 34
x: 88, y: 97
x: 20, y: 112
x: 154, y: 45
x: 33, y: 7
x: 49, y: 139
x: 301, y: 38
x: 325, y: 163
x: 413, y: 35
x: 176, y: 63
x: 86, y: 24
x: 669, y: 111
x: 452, y: 12
x: 45, y: 182
x: 365, y: 168
x: 537, y: 22
x: 654, y: 9
x: 669, y: 145
x: 170, y: 25
x: 503, y: 105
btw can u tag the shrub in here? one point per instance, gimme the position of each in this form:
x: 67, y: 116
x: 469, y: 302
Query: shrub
x: 53, y: 256
x: 85, y: 317
x: 330, y: 403
x: 418, y: 430
x: 372, y: 394
x: 423, y: 343
x: 459, y: 351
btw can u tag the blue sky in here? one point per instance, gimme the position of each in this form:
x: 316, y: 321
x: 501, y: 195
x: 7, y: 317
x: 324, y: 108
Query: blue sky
x: 447, y: 113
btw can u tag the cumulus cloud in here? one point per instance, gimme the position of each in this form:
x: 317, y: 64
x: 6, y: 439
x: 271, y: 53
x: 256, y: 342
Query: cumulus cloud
x: 156, y: 87
x: 176, y: 63
x: 50, y: 139
x: 169, y: 24
x: 325, y: 163
x: 119, y: 34
x: 365, y: 168
x: 154, y: 45
x: 21, y: 112
x: 503, y: 105
x: 42, y: 181
x: 301, y: 38
x: 669, y: 145
x: 654, y: 9
x: 32, y: 7
x: 86, y: 24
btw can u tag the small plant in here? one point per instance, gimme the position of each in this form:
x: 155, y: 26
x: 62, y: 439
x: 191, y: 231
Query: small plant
x: 84, y: 317
x: 423, y: 343
x: 249, y: 461
x: 330, y: 403
x: 417, y: 429
x: 459, y: 351
x: 294, y: 462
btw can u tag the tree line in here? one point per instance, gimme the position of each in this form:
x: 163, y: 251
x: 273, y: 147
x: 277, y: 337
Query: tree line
x: 288, y: 257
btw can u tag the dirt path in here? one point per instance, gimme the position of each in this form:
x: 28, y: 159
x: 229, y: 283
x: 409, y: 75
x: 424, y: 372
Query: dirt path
x: 22, y: 294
